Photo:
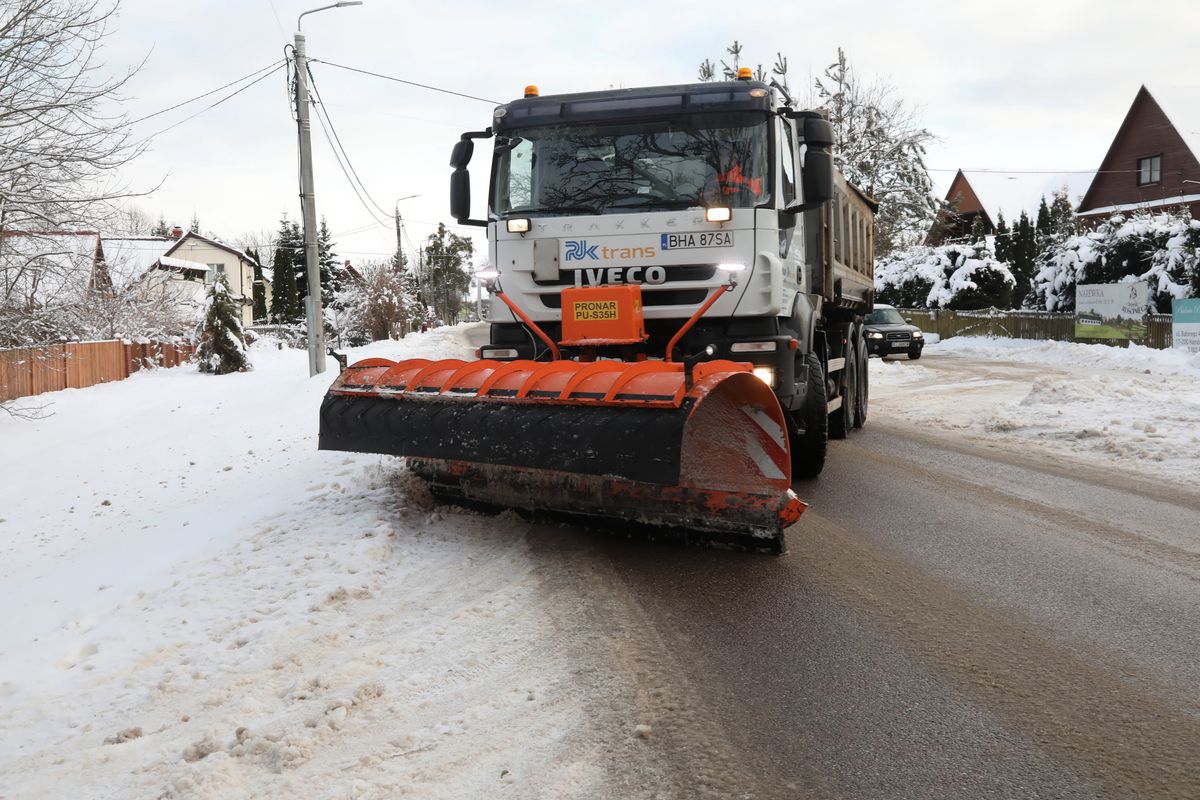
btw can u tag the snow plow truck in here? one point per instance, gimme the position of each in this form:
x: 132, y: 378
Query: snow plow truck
x: 678, y: 278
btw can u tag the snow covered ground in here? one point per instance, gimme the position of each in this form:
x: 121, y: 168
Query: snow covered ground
x: 199, y: 604
x: 1135, y: 411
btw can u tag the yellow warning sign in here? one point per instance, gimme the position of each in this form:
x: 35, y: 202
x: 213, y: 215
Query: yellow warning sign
x: 596, y: 310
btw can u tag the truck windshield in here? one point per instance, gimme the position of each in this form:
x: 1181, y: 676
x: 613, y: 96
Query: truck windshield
x: 612, y: 168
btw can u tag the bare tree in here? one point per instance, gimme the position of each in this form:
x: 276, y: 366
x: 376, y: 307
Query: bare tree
x: 379, y: 302
x: 62, y: 140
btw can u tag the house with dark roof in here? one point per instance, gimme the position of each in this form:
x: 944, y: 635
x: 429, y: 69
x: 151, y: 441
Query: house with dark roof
x: 1152, y: 161
x: 193, y: 255
x: 986, y: 195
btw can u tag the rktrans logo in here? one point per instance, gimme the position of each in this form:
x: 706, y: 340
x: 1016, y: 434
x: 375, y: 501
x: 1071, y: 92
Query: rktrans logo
x: 579, y: 250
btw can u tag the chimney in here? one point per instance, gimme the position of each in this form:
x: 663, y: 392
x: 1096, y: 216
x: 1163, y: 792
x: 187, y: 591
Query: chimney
x: 176, y: 232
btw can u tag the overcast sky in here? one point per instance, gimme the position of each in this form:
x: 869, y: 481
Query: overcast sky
x: 1014, y: 85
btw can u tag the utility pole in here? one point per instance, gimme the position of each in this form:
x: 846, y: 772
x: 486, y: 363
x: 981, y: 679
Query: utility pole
x: 308, y: 201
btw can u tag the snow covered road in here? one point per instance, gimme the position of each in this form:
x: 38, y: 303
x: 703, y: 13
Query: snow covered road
x: 201, y: 605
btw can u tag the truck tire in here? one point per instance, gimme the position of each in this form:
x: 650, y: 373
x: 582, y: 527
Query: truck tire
x: 808, y: 448
x: 863, y: 397
x: 842, y: 420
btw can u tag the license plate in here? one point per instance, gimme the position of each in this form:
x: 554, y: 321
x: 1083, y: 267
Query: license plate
x: 900, y: 345
x: 696, y: 241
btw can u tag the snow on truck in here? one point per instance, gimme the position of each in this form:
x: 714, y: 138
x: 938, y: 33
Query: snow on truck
x: 680, y: 278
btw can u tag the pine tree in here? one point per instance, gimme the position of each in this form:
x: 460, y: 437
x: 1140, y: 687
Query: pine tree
x: 222, y: 342
x: 285, y: 302
x: 1023, y: 255
x: 260, y: 288
x: 1043, y: 217
x: 327, y: 259
x: 160, y: 228
x: 978, y: 231
x: 1062, y: 214
x: 194, y: 225
x: 1003, y: 240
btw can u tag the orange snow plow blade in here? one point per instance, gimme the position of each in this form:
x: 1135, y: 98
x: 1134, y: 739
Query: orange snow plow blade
x: 632, y: 441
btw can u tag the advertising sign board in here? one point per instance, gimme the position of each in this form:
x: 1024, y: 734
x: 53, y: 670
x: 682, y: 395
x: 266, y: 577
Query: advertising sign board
x: 1185, y: 324
x: 1111, y: 311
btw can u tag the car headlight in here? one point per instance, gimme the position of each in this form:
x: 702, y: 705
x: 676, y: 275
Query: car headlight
x: 874, y: 335
x: 918, y: 335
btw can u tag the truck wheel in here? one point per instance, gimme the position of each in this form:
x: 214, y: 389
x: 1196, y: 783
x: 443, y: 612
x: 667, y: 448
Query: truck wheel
x: 808, y: 448
x: 842, y: 420
x: 863, y: 396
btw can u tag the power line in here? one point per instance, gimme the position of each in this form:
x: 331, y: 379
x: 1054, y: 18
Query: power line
x: 997, y: 171
x: 338, y: 157
x: 229, y: 96
x: 206, y: 94
x: 402, y: 80
x: 324, y: 110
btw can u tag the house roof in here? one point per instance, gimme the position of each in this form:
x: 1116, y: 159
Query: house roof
x: 56, y: 266
x: 1182, y: 107
x: 128, y: 258
x: 1179, y: 107
x: 215, y: 243
x: 1011, y: 193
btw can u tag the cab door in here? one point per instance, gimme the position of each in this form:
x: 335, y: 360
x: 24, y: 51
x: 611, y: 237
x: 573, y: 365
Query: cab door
x: 791, y: 235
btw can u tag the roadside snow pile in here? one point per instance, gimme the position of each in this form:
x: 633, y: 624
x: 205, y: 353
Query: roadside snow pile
x: 950, y: 276
x: 1135, y: 410
x: 1162, y: 249
x: 1134, y: 358
x: 199, y: 604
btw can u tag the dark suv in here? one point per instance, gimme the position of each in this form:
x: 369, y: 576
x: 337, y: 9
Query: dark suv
x: 888, y: 333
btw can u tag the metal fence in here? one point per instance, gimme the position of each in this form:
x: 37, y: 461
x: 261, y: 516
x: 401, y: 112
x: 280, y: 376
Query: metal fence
x: 27, y: 371
x: 1042, y: 325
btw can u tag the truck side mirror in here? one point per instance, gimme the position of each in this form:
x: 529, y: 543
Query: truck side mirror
x: 818, y: 177
x: 818, y: 132
x: 460, y: 179
x: 460, y: 156
x: 460, y: 195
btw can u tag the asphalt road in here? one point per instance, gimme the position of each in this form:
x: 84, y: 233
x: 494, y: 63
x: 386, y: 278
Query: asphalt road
x: 951, y: 620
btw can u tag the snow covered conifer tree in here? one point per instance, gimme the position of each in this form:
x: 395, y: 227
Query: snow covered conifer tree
x: 222, y: 342
x: 285, y: 304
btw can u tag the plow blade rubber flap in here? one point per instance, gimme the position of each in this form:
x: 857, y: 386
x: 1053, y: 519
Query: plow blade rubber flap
x: 608, y: 439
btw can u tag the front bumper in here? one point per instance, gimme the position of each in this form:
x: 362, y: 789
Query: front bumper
x: 886, y: 347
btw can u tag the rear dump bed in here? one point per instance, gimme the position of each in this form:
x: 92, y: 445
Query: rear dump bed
x: 842, y: 247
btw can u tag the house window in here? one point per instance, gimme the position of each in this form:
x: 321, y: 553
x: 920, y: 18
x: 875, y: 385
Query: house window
x: 213, y: 271
x: 1149, y: 170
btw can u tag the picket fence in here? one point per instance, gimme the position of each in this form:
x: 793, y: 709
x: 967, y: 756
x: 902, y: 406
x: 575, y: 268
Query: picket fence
x: 1025, y: 325
x: 27, y: 371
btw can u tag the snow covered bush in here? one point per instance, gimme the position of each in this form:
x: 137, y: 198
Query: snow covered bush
x: 1162, y: 249
x: 958, y: 276
x: 378, y: 302
x: 222, y: 342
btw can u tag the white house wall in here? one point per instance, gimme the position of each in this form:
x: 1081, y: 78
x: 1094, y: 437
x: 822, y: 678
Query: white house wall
x: 239, y: 273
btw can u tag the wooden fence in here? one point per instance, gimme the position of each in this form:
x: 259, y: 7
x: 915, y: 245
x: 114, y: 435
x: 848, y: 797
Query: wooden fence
x: 33, y: 370
x: 1040, y: 325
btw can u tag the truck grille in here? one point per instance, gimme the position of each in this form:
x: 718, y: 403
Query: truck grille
x: 899, y: 335
x: 675, y: 272
x: 664, y: 297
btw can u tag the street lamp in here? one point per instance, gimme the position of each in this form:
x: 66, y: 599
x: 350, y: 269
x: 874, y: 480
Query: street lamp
x: 308, y: 203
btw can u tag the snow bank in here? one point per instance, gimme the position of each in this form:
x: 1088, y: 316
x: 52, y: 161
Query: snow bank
x: 199, y: 604
x: 1135, y: 357
x: 1134, y: 411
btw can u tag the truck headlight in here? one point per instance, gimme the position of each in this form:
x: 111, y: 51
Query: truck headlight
x: 766, y: 375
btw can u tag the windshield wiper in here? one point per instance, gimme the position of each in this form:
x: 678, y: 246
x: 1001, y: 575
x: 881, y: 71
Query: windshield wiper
x: 566, y: 209
x: 652, y: 200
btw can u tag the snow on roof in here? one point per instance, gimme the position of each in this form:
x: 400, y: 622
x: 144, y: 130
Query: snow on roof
x: 215, y: 243
x: 55, y: 266
x: 127, y: 259
x: 1011, y: 193
x: 1149, y: 204
x: 1181, y: 107
x: 180, y: 263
